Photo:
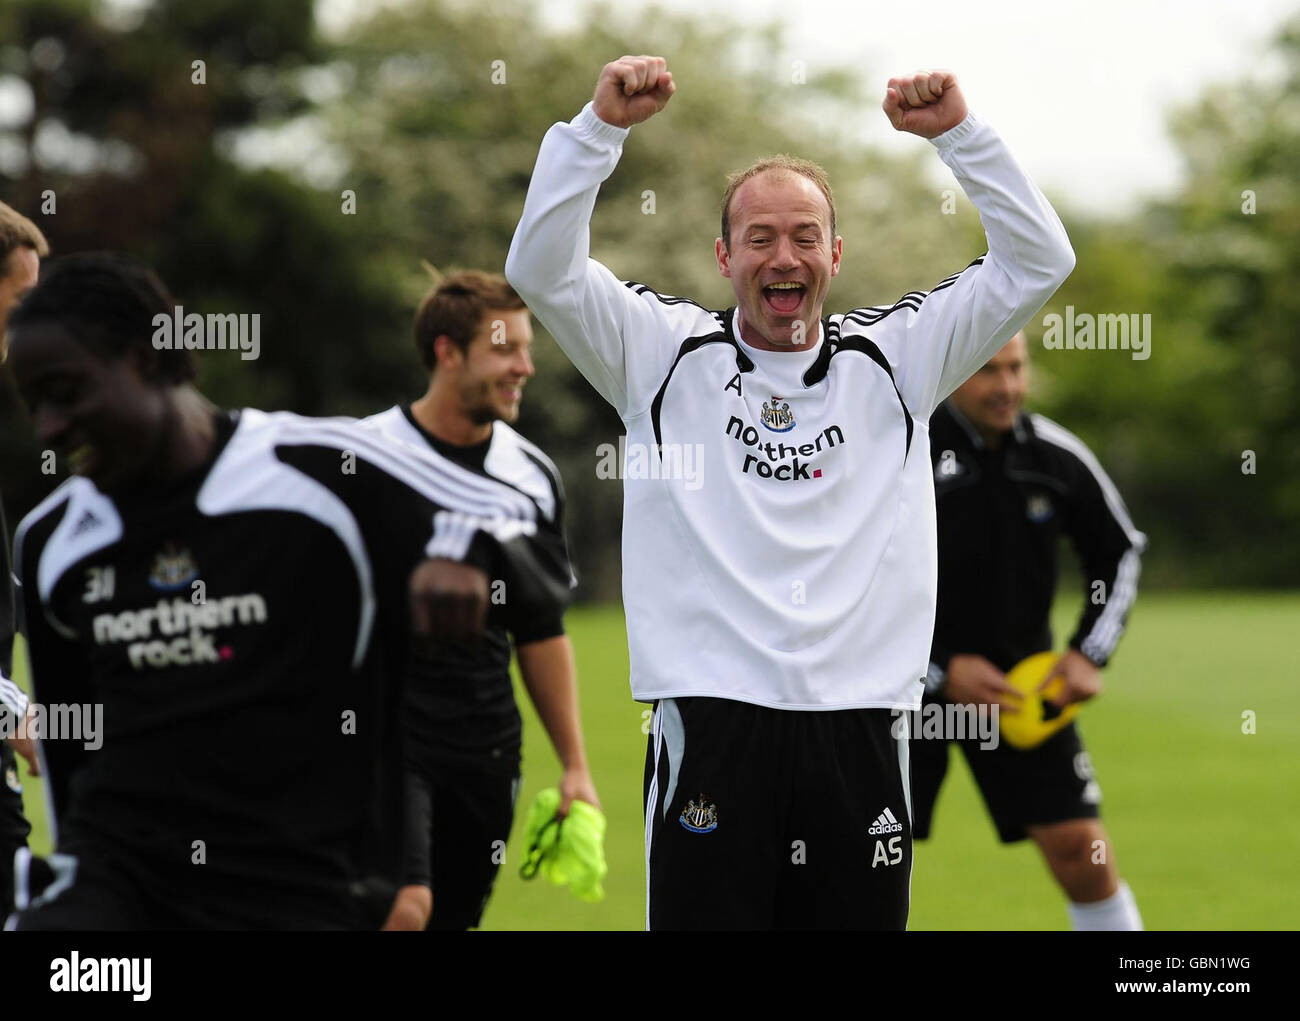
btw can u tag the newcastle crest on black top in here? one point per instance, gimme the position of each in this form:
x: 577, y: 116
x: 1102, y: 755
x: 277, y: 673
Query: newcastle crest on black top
x: 173, y: 569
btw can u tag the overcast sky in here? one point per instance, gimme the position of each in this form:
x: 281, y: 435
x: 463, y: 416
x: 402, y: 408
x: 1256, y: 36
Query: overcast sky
x: 1079, y: 88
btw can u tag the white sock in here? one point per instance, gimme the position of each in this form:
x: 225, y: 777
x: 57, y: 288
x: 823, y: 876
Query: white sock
x: 1118, y: 912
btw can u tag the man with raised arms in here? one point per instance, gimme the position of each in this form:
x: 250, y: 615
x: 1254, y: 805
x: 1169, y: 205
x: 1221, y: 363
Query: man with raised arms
x: 778, y: 612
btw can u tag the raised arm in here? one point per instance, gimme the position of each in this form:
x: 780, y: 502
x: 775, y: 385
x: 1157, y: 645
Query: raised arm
x: 589, y: 312
x: 935, y: 340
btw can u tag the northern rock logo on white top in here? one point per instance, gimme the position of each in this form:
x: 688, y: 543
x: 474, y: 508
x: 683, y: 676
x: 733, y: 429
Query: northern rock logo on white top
x: 787, y: 462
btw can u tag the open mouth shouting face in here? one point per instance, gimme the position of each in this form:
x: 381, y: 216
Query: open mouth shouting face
x: 780, y: 258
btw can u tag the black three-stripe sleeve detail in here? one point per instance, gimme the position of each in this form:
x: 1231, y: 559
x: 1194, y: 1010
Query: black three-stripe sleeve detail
x: 912, y: 299
x: 663, y: 299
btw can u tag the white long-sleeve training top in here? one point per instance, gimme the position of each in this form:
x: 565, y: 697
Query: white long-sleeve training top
x: 779, y: 540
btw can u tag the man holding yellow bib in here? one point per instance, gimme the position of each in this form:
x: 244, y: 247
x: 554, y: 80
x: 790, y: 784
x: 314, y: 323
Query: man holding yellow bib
x: 1008, y: 485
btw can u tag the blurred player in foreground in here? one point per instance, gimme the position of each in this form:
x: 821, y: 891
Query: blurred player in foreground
x: 473, y: 335
x: 1008, y: 486
x: 233, y: 592
x: 780, y: 606
x: 22, y: 246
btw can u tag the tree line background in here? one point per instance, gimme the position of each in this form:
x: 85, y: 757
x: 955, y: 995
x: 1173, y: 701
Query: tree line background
x: 233, y: 188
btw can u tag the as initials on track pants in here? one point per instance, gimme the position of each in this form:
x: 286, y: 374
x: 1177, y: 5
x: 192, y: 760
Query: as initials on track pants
x: 762, y: 818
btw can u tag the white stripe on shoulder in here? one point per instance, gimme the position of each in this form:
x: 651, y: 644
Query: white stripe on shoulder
x: 1066, y: 440
x: 406, y: 461
x: 89, y: 524
x: 505, y: 459
x: 248, y: 476
x: 393, y: 423
x: 61, y: 494
x: 421, y: 468
x: 514, y: 460
x: 531, y: 447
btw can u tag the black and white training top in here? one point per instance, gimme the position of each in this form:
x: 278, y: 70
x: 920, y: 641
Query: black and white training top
x: 246, y: 632
x: 1002, y: 513
x: 461, y: 708
x: 779, y: 516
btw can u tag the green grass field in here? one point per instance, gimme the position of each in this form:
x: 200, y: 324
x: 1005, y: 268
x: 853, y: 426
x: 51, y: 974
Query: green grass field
x: 1205, y: 820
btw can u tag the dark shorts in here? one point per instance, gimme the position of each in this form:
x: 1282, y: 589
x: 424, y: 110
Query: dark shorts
x: 1051, y: 783
x: 93, y: 891
x: 762, y: 818
x: 457, y: 825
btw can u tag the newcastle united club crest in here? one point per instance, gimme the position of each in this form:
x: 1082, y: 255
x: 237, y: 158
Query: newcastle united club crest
x: 1038, y: 508
x: 700, y: 816
x: 777, y: 416
x: 173, y: 569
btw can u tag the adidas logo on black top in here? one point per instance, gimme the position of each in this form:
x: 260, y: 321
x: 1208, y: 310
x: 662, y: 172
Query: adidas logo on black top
x: 85, y: 523
x: 886, y: 823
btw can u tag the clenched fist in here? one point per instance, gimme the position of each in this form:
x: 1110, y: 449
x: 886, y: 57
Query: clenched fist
x: 632, y: 89
x: 449, y: 601
x: 926, y: 104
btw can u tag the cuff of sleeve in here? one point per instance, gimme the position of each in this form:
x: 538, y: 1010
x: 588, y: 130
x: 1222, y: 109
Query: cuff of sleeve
x: 934, y: 678
x: 954, y: 136
x: 591, y: 126
x: 13, y: 697
x: 538, y: 629
x: 1077, y: 647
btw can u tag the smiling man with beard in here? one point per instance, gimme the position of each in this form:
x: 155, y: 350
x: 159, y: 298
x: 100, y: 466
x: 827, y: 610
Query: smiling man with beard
x: 778, y: 612
x: 473, y: 334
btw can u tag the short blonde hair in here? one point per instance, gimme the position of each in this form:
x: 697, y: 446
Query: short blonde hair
x: 16, y: 231
x: 780, y: 163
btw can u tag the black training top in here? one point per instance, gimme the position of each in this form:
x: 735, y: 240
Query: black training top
x: 246, y: 634
x: 461, y: 710
x: 1001, y: 514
